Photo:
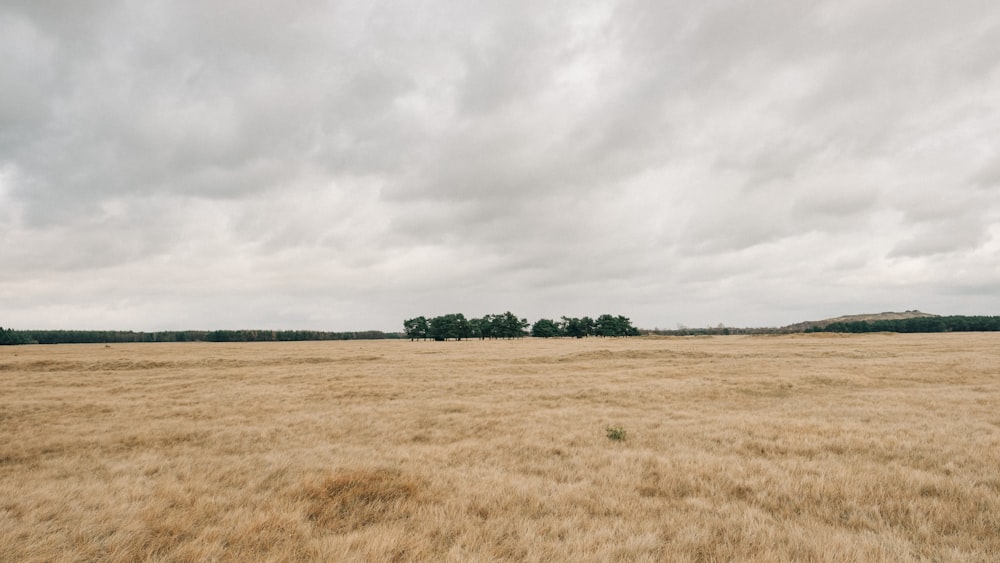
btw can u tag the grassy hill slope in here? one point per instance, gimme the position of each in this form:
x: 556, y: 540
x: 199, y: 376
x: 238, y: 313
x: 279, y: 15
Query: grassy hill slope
x: 887, y: 316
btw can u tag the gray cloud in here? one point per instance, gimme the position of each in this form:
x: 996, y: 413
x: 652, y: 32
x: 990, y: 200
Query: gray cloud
x: 344, y: 165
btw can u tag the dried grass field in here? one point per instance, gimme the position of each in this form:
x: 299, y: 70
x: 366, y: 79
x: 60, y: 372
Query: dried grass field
x: 805, y: 448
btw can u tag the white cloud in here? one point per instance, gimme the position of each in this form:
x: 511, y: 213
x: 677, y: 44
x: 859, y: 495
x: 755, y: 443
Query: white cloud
x: 346, y: 165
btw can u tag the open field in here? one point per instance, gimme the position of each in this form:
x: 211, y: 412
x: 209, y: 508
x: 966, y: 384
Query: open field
x: 808, y: 448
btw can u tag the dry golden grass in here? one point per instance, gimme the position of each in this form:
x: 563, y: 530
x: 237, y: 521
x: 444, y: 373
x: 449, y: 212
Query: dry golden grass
x: 804, y: 448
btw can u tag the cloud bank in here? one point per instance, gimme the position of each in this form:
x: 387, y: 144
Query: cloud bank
x: 346, y: 165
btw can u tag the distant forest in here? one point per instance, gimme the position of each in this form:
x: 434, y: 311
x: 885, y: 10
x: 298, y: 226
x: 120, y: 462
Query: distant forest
x: 916, y: 324
x: 10, y: 336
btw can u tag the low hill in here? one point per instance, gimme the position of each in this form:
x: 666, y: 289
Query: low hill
x: 888, y: 316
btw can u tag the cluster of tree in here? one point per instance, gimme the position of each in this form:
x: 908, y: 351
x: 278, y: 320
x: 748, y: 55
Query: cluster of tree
x: 10, y: 336
x: 508, y: 325
x: 605, y: 325
x: 956, y: 323
x: 456, y: 326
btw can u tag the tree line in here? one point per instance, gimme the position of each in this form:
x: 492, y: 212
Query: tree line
x: 954, y: 323
x: 294, y: 335
x: 455, y: 326
x: 10, y: 336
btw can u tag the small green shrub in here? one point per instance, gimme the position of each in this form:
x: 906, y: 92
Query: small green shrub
x: 616, y: 433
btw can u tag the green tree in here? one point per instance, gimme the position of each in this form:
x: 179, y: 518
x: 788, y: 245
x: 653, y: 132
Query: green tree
x: 545, y: 328
x: 417, y: 328
x: 453, y: 325
x: 509, y: 325
x: 483, y: 327
x: 623, y: 327
x: 606, y: 326
x: 577, y: 327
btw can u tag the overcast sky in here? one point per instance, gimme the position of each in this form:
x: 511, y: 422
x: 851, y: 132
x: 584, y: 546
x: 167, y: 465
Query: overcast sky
x: 342, y: 165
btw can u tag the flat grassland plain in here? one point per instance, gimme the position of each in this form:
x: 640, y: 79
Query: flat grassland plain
x: 804, y: 447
